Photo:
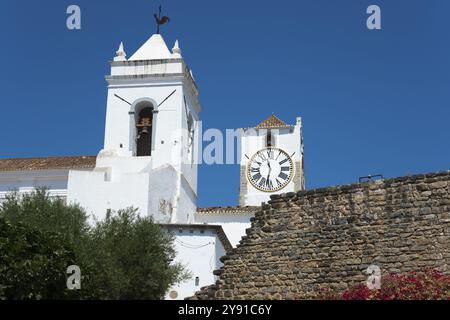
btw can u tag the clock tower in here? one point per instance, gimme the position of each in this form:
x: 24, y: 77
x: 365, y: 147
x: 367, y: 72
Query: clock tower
x: 272, y: 160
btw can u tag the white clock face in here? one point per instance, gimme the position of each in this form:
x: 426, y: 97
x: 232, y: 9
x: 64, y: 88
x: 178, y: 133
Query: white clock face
x: 270, y: 170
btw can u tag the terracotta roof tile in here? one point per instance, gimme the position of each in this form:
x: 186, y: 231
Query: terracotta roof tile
x: 49, y: 163
x: 272, y: 122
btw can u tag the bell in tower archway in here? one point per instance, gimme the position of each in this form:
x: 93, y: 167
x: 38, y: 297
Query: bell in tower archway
x: 144, y: 132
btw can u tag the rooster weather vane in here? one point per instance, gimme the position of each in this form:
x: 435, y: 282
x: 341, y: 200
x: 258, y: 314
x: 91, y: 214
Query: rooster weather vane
x: 160, y: 20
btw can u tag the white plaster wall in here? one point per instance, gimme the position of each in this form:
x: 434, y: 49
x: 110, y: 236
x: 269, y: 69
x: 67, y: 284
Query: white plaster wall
x: 25, y: 181
x: 157, y: 193
x: 162, y: 194
x: 119, y: 129
x: 234, y: 225
x: 187, y: 203
x: 147, y: 67
x: 169, y: 137
x: 189, y: 166
x: 96, y: 195
x: 200, y: 253
x: 115, y: 166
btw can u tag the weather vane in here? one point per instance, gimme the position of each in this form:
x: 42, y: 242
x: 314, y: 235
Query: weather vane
x: 160, y: 20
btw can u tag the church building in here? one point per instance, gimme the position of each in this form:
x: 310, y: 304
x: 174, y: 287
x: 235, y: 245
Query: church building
x: 148, y: 162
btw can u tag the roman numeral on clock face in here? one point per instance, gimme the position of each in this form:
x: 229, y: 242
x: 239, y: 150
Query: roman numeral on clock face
x: 262, y: 156
x: 262, y: 183
x: 283, y: 176
x: 256, y: 177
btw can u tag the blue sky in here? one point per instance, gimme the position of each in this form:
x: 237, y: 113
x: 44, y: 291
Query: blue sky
x: 371, y: 101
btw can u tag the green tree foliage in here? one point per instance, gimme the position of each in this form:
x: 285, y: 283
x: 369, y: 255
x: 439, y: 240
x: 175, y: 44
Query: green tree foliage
x: 123, y: 257
x: 2, y: 292
x: 37, y: 209
x: 32, y: 262
x: 134, y: 256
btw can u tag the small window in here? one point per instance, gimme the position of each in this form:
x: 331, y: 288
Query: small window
x: 269, y: 139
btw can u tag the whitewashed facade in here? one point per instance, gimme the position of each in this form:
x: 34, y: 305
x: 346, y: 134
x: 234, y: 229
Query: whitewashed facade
x: 147, y: 162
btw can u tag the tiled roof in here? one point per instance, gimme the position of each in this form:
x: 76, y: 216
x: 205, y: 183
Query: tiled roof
x: 49, y: 163
x: 227, y: 210
x: 272, y: 122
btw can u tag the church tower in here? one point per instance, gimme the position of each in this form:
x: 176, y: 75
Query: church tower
x: 151, y: 121
x: 272, y: 160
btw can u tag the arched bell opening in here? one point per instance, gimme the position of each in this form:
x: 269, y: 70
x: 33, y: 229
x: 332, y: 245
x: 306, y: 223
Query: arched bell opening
x: 144, y: 128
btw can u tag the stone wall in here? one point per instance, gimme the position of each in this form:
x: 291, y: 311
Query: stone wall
x: 300, y: 242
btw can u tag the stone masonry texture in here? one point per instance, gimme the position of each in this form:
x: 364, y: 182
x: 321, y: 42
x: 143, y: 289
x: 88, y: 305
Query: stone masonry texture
x: 326, y: 238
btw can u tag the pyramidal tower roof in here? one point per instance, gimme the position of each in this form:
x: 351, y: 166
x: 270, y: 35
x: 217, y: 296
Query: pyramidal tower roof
x: 272, y: 122
x: 155, y: 48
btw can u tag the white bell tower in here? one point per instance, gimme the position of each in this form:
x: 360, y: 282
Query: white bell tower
x: 148, y: 157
